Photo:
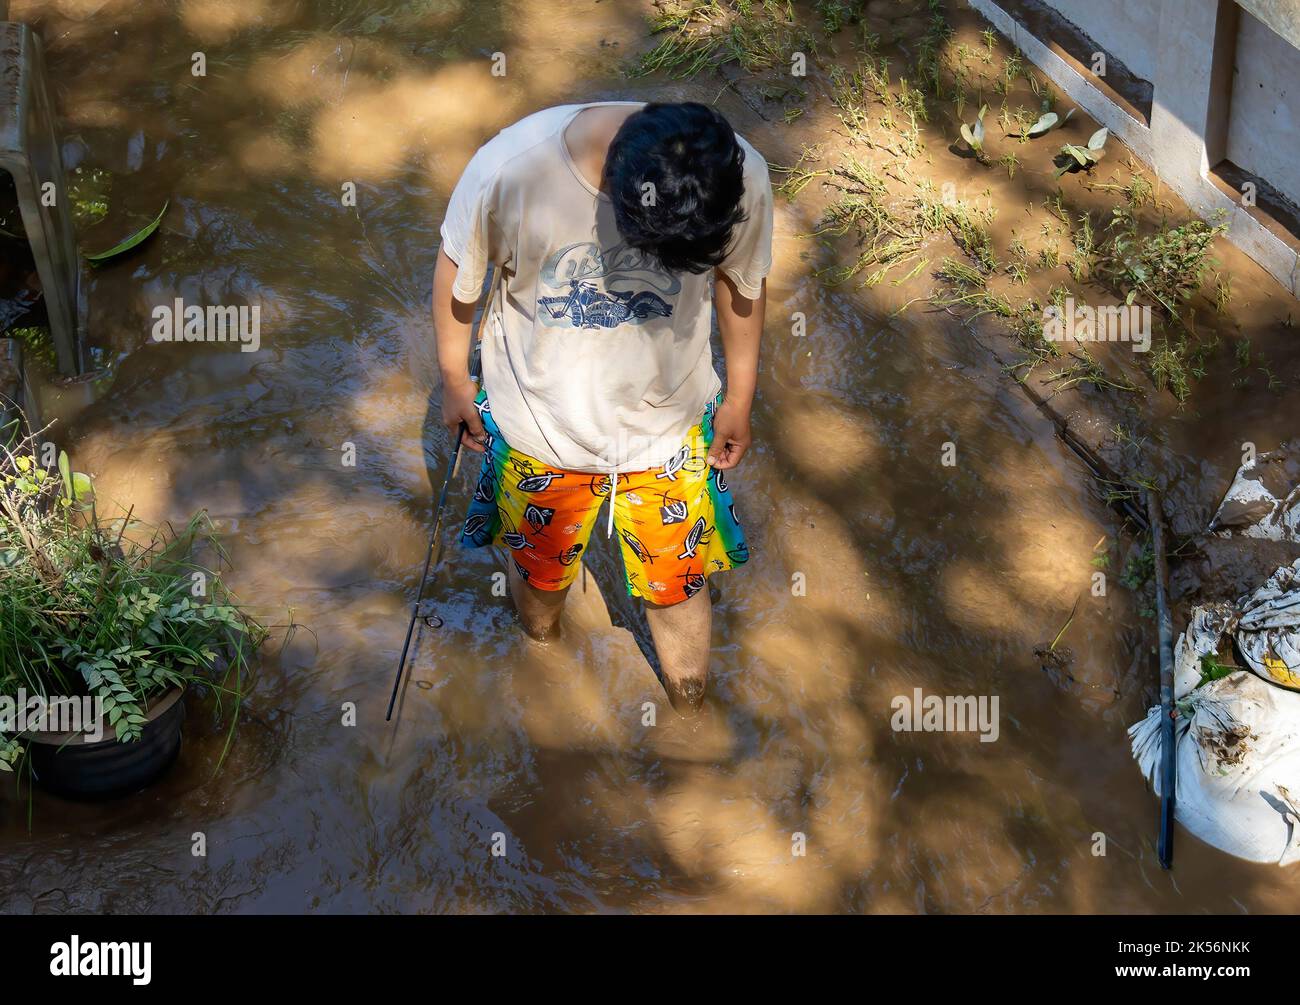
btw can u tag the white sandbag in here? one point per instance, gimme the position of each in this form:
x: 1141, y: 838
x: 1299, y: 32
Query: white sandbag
x: 1263, y: 500
x: 1237, y: 739
x: 1268, y: 629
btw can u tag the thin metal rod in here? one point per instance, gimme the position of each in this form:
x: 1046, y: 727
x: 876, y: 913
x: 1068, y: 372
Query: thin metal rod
x: 434, y: 538
x: 1165, y: 626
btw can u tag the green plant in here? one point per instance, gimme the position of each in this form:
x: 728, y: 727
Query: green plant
x: 797, y: 176
x: 835, y: 14
x: 1222, y: 293
x: 970, y: 229
x: 1139, y: 568
x: 753, y: 34
x: 37, y: 345
x: 973, y: 133
x: 1167, y: 266
x: 113, y: 610
x: 1212, y: 669
x: 1084, y: 247
x: 1044, y: 124
x: 960, y: 274
x: 1087, y: 370
x: 125, y: 245
x: 1073, y: 157
x: 88, y: 192
x: 1169, y: 371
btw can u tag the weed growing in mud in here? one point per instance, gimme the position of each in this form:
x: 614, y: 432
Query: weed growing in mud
x: 1043, y: 91
x: 797, y: 175
x: 970, y: 230
x: 1026, y: 326
x: 889, y: 238
x: 1139, y: 568
x: 1010, y: 161
x: 929, y: 59
x: 1137, y: 192
x: 960, y: 273
x: 1013, y: 67
x: 1177, y: 361
x: 836, y: 14
x: 1084, y: 249
x: 1086, y: 370
x: 752, y: 34
x: 1168, y: 265
x: 850, y: 94
x: 1222, y: 293
x: 968, y: 289
x: 1125, y: 438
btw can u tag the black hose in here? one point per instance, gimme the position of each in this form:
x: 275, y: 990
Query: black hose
x: 1165, y: 627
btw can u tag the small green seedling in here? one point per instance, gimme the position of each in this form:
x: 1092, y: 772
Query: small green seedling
x: 1212, y: 669
x: 1076, y: 157
x: 1045, y: 124
x: 76, y: 485
x: 974, y: 134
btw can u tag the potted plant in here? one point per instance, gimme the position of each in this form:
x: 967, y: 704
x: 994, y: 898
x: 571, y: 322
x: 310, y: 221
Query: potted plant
x: 105, y: 627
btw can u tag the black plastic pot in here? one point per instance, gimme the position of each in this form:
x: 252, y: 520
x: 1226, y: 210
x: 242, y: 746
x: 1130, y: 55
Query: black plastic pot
x: 67, y: 765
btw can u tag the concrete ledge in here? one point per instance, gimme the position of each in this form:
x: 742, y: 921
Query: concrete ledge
x: 1191, y: 182
x: 1134, y: 133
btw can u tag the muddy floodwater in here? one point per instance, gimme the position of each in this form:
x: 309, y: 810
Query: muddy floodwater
x: 876, y: 569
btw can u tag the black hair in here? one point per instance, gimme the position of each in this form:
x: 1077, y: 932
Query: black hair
x: 691, y: 156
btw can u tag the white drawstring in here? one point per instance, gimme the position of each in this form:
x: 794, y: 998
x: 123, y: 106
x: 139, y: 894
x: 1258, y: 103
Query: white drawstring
x: 613, y: 494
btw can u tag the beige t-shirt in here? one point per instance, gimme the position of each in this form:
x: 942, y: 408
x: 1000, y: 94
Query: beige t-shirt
x: 594, y: 359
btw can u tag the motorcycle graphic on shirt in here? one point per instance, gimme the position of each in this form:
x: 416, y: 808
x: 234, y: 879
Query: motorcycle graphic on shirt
x: 604, y: 288
x: 588, y: 307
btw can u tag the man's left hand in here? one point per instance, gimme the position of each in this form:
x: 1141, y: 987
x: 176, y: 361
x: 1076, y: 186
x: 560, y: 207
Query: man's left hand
x: 731, y: 437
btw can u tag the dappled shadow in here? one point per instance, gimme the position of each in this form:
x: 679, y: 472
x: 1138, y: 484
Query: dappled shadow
x: 565, y: 757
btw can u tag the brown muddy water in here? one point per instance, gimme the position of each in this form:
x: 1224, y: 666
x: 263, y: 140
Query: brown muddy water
x: 917, y: 575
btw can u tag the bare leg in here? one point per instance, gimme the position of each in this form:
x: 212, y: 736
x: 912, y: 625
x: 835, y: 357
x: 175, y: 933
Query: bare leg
x: 681, y: 634
x: 539, y: 610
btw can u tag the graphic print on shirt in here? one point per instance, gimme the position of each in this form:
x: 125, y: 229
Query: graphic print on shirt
x: 597, y: 288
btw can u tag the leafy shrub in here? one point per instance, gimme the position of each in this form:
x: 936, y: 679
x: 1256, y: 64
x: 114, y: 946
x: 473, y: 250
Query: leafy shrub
x: 1167, y: 266
x: 116, y: 610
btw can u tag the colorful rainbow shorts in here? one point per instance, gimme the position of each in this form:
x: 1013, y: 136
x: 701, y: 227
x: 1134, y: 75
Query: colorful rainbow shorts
x: 676, y: 523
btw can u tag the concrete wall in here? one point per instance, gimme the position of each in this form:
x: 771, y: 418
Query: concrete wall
x: 1283, y: 16
x: 1128, y: 29
x: 1191, y: 129
x: 1264, y: 121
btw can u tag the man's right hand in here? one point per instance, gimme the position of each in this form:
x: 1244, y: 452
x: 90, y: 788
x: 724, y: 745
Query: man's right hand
x: 458, y: 406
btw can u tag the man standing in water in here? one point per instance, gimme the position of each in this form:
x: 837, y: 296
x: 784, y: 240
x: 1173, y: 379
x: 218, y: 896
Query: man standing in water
x: 607, y: 222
